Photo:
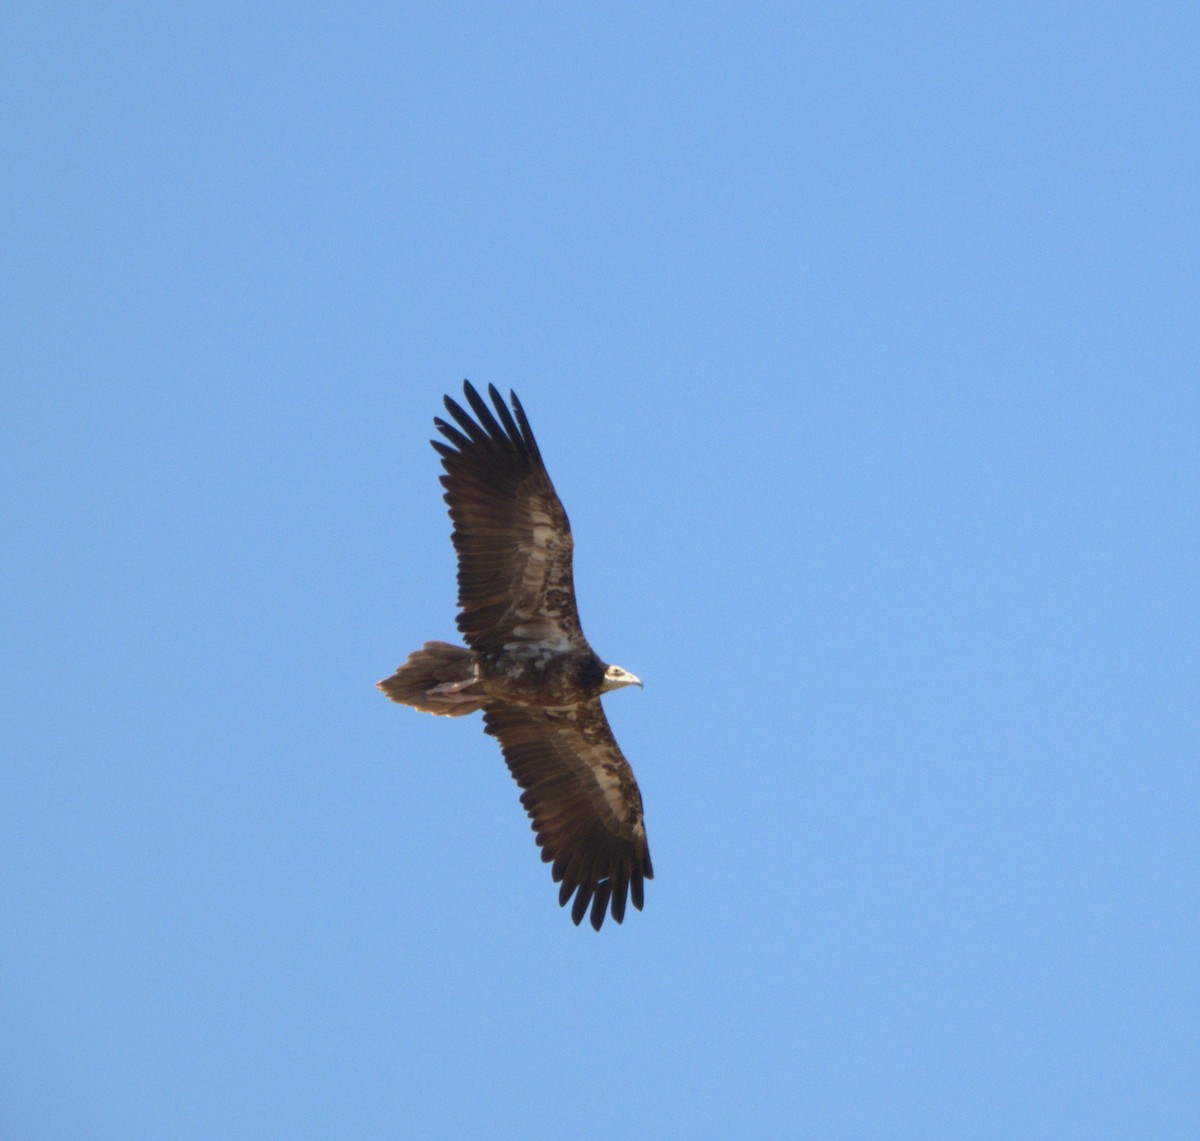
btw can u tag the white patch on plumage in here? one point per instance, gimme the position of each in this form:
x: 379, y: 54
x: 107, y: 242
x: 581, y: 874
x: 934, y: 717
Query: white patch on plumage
x: 542, y: 575
x: 542, y: 554
x: 610, y: 785
x: 540, y: 635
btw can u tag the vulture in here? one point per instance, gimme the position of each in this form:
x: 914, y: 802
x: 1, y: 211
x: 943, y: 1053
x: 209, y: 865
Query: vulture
x: 526, y: 663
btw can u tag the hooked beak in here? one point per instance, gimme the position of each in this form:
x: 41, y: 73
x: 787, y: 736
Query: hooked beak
x: 617, y: 678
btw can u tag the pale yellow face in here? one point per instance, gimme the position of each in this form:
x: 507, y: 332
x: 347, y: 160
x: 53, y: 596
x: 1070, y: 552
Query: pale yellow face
x: 616, y: 678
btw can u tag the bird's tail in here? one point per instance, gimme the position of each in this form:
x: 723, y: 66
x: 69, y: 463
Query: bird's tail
x: 438, y: 678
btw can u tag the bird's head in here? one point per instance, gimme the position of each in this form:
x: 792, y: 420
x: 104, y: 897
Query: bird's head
x: 617, y: 678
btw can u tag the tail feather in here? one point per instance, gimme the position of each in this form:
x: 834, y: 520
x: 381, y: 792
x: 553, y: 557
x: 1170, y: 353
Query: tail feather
x: 438, y: 678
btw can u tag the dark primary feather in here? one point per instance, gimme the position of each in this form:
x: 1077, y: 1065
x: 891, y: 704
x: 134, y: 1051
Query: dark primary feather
x: 510, y: 530
x: 583, y: 800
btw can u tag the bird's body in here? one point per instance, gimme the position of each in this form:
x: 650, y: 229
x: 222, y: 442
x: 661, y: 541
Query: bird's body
x: 527, y: 665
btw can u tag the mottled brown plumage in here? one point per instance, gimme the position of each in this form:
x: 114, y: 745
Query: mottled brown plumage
x: 527, y: 664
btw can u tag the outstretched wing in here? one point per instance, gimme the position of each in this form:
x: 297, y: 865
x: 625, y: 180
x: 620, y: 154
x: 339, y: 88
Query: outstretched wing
x: 584, y: 802
x: 510, y: 530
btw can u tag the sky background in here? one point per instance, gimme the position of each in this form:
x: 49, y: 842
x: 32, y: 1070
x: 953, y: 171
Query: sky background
x: 861, y: 342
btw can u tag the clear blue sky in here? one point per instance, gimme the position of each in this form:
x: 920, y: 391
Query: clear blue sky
x: 862, y: 343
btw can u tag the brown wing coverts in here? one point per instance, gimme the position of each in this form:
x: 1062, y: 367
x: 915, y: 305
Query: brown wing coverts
x: 510, y: 530
x: 584, y: 802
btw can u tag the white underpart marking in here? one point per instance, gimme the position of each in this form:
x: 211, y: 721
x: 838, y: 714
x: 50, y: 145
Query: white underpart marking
x: 545, y: 635
x: 537, y: 653
x: 611, y: 788
x: 535, y: 569
x: 542, y: 555
x: 538, y: 551
x: 447, y: 687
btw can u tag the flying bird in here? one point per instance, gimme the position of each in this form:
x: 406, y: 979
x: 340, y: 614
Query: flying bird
x: 526, y: 663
